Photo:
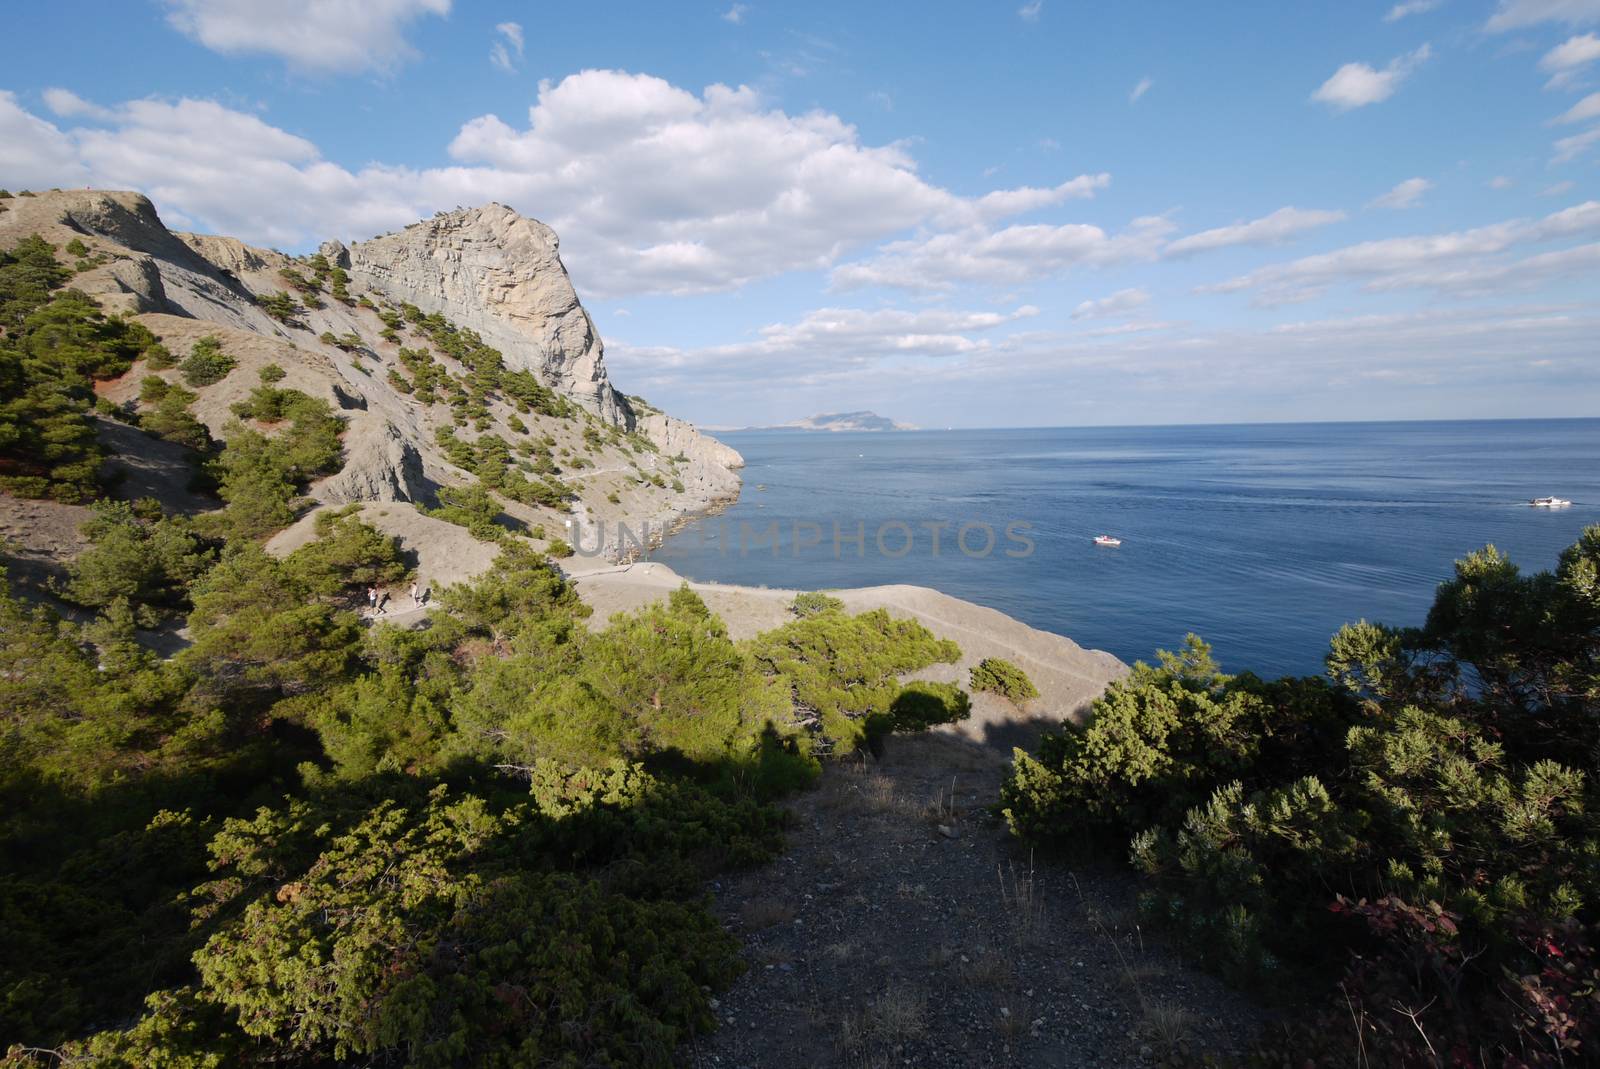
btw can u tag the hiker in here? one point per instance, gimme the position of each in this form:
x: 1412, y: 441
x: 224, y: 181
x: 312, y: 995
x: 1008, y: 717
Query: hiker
x: 416, y: 600
x: 383, y: 603
x: 372, y: 599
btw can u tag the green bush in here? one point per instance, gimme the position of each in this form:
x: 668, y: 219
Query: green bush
x: 207, y: 363
x: 560, y: 548
x: 922, y: 704
x: 1003, y: 678
x: 812, y: 602
x: 149, y: 565
x: 844, y: 670
x: 54, y: 344
x: 1423, y: 819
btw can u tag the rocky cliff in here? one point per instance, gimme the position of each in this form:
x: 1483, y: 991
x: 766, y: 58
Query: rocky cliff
x: 485, y: 270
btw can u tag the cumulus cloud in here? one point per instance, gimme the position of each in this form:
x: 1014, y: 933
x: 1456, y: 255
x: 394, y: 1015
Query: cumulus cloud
x: 1421, y: 261
x: 1119, y: 303
x: 1410, y: 7
x: 506, y: 53
x: 1008, y: 256
x: 738, y: 191
x: 1030, y: 11
x: 1140, y: 90
x: 1584, y: 110
x: 822, y: 343
x: 69, y: 105
x: 318, y: 35
x: 1570, y: 148
x: 1355, y: 85
x: 37, y: 154
x: 1517, y: 14
x: 1567, y: 60
x: 1273, y: 229
x: 1407, y: 194
x: 736, y: 13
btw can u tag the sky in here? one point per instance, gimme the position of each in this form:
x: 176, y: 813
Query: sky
x: 966, y: 214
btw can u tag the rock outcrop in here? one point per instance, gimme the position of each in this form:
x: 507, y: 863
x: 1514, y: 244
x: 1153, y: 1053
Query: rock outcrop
x: 500, y: 274
x: 487, y: 269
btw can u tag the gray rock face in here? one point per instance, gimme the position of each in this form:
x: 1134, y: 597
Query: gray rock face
x: 380, y: 465
x: 501, y: 275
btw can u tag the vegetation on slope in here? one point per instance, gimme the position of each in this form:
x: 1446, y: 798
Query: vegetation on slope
x: 302, y: 841
x: 1423, y: 821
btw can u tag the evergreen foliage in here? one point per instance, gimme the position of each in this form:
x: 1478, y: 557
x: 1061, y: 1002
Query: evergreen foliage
x: 1001, y: 677
x: 1424, y: 818
x: 207, y: 363
x: 54, y: 345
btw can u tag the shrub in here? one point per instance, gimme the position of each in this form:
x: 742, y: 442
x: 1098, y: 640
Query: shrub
x: 1424, y: 823
x: 812, y: 602
x: 560, y: 549
x: 843, y: 670
x: 207, y: 363
x: 1003, y: 678
x: 922, y: 704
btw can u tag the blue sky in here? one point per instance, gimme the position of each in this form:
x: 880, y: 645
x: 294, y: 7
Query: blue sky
x: 955, y: 214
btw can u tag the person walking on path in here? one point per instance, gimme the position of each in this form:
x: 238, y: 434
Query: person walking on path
x: 383, y: 603
x: 372, y: 599
x: 416, y: 595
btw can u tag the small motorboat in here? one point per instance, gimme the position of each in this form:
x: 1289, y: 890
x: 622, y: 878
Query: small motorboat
x: 1106, y: 540
x: 1549, y: 502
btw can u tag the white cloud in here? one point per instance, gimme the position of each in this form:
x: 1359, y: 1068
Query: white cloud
x: 1517, y: 14
x: 1407, y: 194
x: 1557, y: 189
x: 69, y: 105
x: 1006, y: 202
x: 1140, y: 90
x: 1356, y: 85
x: 824, y: 343
x: 735, y: 14
x: 1119, y: 303
x: 1273, y: 229
x: 1030, y: 11
x: 507, y: 52
x: 1566, y: 61
x: 1570, y: 148
x: 1584, y: 110
x: 320, y: 35
x: 1410, y: 7
x: 37, y: 155
x: 1423, y: 260
x: 1500, y: 181
x: 1012, y: 255
x: 737, y: 191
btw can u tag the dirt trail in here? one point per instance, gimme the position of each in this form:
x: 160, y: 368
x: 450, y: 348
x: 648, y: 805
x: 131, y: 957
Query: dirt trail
x: 903, y: 926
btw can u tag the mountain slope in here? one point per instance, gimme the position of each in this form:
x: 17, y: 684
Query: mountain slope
x: 391, y: 333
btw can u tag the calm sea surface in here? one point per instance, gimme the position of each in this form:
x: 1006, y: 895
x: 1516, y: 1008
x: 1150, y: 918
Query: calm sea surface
x: 1263, y: 539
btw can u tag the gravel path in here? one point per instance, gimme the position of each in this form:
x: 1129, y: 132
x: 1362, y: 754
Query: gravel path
x: 904, y: 927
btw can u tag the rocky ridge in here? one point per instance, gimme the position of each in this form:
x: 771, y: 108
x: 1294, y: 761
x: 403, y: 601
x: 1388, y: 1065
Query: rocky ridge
x: 486, y: 269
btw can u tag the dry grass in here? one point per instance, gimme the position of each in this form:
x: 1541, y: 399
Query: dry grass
x: 987, y: 967
x: 1166, y: 1027
x: 843, y: 950
x: 1021, y: 903
x: 893, y: 1018
x: 759, y: 913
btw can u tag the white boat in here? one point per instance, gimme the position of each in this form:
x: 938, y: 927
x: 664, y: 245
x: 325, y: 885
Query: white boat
x: 1549, y: 502
x: 1106, y: 540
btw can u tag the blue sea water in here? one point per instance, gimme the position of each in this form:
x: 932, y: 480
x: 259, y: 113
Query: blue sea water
x: 1263, y: 539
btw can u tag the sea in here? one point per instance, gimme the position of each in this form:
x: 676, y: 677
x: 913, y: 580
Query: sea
x: 1261, y: 538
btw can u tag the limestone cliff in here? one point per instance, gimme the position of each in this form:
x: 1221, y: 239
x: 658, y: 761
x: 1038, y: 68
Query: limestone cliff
x: 501, y: 275
x: 485, y: 269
